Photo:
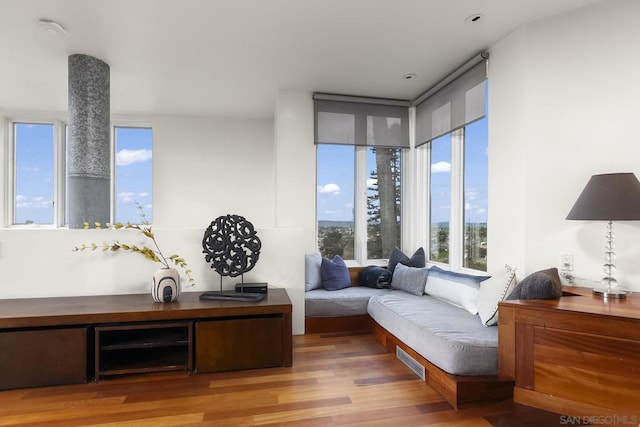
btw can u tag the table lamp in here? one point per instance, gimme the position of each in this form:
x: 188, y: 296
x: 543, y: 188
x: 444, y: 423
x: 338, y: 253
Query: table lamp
x: 609, y: 197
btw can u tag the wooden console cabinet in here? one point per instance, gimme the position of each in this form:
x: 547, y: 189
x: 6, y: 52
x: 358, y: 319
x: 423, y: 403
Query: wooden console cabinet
x: 69, y: 340
x: 578, y: 355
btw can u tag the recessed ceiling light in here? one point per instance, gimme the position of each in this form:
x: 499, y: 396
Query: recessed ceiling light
x: 52, y: 27
x: 409, y: 76
x: 474, y: 19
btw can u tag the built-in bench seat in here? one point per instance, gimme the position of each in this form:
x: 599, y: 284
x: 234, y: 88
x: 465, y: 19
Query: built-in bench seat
x: 449, y: 337
x: 459, y: 354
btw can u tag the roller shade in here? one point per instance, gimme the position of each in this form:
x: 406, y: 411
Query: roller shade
x: 455, y: 105
x: 371, y: 123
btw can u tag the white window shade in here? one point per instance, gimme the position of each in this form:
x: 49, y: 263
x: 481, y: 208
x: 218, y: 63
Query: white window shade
x: 455, y: 105
x: 361, y: 123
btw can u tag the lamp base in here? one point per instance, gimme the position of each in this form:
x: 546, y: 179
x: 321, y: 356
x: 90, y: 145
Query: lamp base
x: 615, y: 292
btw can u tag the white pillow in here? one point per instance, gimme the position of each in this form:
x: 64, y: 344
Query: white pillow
x: 312, y: 278
x: 491, y: 292
x: 457, y: 289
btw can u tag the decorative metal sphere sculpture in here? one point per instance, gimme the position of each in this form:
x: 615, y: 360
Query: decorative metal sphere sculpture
x: 231, y: 245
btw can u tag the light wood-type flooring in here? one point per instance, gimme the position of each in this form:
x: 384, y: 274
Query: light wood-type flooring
x: 336, y: 380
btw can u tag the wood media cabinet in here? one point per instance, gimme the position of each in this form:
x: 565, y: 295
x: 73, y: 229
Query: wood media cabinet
x: 71, y: 340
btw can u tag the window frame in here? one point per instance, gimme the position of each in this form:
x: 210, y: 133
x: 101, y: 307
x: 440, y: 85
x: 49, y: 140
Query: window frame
x: 59, y: 168
x: 112, y: 148
x: 456, y: 219
x: 60, y: 130
x: 360, y: 215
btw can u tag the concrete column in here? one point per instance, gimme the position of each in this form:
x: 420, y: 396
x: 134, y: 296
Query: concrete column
x: 89, y: 165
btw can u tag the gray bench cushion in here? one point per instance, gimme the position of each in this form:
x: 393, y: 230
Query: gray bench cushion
x: 450, y: 337
x: 351, y: 301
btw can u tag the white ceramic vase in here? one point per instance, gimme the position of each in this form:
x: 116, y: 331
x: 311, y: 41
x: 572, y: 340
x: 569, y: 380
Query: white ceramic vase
x: 166, y: 285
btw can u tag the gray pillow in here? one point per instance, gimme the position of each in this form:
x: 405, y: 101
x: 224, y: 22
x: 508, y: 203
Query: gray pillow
x: 409, y: 279
x: 398, y: 257
x: 312, y: 277
x: 543, y: 284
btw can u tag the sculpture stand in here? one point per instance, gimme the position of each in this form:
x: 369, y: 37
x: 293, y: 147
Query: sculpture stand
x: 232, y: 295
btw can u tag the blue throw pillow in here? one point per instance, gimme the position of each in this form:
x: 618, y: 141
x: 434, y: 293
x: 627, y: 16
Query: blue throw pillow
x: 334, y: 273
x: 417, y: 260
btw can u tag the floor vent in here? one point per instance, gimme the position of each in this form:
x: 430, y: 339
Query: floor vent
x: 411, y: 363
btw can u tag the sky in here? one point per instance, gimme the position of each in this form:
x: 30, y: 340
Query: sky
x: 336, y: 173
x: 34, y: 173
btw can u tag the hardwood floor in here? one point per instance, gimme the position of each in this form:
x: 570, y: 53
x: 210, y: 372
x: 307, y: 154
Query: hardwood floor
x: 336, y: 380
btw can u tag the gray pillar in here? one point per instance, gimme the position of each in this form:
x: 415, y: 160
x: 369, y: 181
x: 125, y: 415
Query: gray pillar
x: 89, y: 165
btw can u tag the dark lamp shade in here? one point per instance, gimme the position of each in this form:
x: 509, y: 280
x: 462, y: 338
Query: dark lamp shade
x: 609, y: 197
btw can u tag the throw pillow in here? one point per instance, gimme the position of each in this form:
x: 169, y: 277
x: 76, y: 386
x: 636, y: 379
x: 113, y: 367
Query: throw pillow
x: 543, y: 284
x: 458, y: 289
x: 398, y: 257
x: 335, y: 275
x: 409, y: 279
x: 491, y: 292
x: 312, y: 277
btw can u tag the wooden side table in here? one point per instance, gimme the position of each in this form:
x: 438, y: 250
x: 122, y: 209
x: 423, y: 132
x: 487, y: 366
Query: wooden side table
x: 578, y: 355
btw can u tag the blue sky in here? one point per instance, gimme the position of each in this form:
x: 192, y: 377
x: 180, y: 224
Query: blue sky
x: 34, y: 173
x: 336, y: 178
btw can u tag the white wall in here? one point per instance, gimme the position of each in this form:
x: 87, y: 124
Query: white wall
x: 203, y: 168
x: 563, y: 105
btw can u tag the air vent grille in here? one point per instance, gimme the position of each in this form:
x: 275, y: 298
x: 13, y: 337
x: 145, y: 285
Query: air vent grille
x: 411, y: 363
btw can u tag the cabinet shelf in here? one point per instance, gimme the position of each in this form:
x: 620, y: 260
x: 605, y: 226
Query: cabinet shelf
x: 143, y: 347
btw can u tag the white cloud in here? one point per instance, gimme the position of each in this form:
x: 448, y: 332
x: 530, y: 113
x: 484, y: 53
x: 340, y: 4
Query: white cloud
x: 34, y: 202
x: 126, y: 196
x: 471, y: 194
x: 143, y: 194
x: 128, y: 157
x: 329, y: 188
x: 441, y: 167
x: 33, y: 169
x: 371, y: 182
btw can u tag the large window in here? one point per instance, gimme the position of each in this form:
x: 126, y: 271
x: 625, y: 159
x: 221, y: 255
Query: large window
x: 133, y: 177
x: 440, y: 198
x: 360, y: 144
x: 383, y: 200
x: 458, y: 205
x: 33, y: 173
x: 476, y: 177
x: 37, y: 178
x: 451, y: 121
x: 335, y: 200
x: 358, y: 228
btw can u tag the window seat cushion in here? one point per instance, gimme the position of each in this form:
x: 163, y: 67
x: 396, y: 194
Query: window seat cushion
x: 350, y: 301
x: 450, y: 337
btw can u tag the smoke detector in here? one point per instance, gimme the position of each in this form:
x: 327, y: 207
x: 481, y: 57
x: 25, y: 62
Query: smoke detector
x: 52, y: 27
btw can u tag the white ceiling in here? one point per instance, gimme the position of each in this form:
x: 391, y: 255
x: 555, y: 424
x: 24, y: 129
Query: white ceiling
x: 231, y: 57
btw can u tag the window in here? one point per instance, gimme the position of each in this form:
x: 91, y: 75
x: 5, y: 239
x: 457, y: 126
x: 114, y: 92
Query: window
x: 133, y: 173
x: 33, y: 173
x: 37, y: 179
x: 440, y: 198
x: 335, y: 200
x: 476, y: 176
x: 360, y: 144
x: 383, y: 200
x: 344, y: 172
x: 458, y: 177
x: 451, y: 121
